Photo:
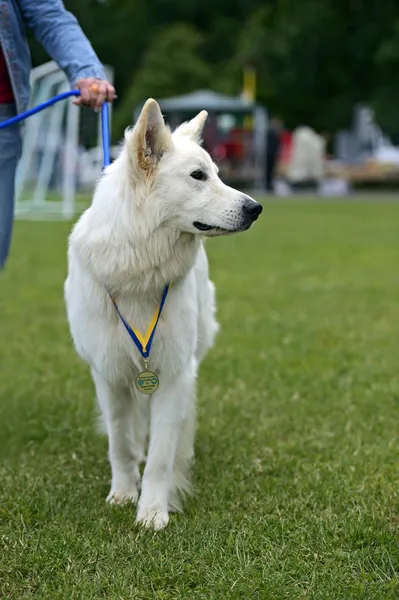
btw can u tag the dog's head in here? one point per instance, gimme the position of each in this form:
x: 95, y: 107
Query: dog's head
x: 181, y: 183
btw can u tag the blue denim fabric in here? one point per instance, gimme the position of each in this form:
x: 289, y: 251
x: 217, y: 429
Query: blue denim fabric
x: 10, y: 151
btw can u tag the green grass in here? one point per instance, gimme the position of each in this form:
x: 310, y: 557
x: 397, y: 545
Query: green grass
x: 296, y: 475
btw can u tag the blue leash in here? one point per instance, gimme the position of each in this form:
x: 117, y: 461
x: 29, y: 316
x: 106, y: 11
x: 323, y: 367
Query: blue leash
x: 40, y: 107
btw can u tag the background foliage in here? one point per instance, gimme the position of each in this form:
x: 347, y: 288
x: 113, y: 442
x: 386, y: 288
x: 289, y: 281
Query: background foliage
x: 314, y: 59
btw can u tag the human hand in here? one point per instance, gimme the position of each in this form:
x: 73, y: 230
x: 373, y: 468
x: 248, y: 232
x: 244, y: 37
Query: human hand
x: 94, y: 92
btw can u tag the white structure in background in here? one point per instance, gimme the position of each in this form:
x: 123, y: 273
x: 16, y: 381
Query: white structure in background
x: 54, y: 163
x: 307, y: 161
x: 365, y: 140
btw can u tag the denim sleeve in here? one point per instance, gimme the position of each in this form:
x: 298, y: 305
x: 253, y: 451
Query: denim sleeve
x: 62, y: 37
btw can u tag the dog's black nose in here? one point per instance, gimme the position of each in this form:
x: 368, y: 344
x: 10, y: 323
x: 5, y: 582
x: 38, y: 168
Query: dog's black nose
x: 252, y: 208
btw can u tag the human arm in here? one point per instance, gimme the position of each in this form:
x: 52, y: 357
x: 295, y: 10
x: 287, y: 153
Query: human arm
x: 59, y: 32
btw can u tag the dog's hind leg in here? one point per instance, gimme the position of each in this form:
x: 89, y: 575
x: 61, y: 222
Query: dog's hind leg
x: 183, y: 460
x: 168, y: 409
x: 116, y: 404
x: 208, y: 327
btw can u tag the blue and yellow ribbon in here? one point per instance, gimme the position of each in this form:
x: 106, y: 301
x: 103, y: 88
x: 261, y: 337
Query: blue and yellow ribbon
x: 143, y: 342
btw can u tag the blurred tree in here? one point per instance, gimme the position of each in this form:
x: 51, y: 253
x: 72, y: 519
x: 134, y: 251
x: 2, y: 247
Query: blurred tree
x: 314, y: 59
x: 171, y: 65
x: 386, y: 62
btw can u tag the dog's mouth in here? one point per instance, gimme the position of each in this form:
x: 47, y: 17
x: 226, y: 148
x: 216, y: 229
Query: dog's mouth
x: 203, y: 226
x: 216, y: 230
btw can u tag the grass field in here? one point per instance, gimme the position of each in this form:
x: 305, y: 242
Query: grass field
x: 297, y: 471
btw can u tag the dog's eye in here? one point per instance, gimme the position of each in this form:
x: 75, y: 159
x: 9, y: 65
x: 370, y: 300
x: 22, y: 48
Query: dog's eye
x: 198, y: 174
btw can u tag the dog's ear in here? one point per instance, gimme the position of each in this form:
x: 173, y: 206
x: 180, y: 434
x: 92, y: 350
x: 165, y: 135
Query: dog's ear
x: 150, y: 138
x: 193, y: 129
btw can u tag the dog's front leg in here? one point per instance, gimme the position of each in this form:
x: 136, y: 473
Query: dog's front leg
x: 116, y: 403
x: 168, y: 408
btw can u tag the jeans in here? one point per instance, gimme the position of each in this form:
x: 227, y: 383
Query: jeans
x: 10, y: 152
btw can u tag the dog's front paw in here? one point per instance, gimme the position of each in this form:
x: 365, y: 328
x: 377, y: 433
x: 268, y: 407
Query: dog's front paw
x: 122, y: 496
x: 125, y: 487
x: 155, y: 518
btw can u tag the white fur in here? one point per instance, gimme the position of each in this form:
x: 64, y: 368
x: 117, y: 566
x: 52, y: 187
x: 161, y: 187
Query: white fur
x: 137, y: 235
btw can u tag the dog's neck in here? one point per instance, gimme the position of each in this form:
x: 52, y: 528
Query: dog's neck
x: 165, y: 257
x: 141, y: 268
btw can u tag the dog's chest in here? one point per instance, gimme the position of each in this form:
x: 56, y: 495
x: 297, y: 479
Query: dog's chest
x: 174, y: 340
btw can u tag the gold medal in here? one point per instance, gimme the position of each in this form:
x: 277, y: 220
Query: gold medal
x: 147, y: 382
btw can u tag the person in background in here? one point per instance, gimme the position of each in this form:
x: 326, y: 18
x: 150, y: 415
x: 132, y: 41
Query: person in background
x: 273, y: 144
x: 58, y: 31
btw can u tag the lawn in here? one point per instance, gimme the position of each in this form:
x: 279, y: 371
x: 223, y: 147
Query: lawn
x: 297, y: 470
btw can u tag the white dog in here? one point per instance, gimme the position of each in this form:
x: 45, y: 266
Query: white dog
x: 143, y: 231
